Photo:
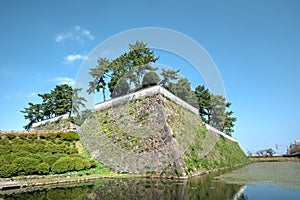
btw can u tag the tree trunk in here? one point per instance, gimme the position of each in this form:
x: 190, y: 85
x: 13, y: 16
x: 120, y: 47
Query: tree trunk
x: 103, y: 93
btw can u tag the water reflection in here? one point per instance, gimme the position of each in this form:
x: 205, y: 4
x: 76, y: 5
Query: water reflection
x: 195, y: 188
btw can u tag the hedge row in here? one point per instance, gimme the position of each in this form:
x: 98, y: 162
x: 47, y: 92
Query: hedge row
x: 29, y: 154
x: 66, y: 136
x: 39, y: 148
x: 30, y: 165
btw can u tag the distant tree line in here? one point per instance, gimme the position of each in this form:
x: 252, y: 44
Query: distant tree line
x: 262, y: 153
x: 132, y: 71
x: 61, y: 100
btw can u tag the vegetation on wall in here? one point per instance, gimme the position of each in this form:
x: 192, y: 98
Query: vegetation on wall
x: 156, y: 136
x: 202, y: 150
x: 224, y: 154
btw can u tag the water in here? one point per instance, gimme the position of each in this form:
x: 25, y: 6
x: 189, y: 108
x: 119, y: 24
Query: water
x: 254, y: 181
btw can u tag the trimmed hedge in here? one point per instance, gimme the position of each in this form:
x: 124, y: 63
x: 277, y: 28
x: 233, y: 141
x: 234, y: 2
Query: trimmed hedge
x: 26, y: 165
x: 43, y: 168
x: 29, y: 154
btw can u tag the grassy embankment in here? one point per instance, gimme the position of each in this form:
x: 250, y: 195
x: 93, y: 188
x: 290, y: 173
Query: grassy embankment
x: 274, y: 159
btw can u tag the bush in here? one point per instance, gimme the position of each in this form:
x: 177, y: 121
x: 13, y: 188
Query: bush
x: 69, y: 136
x: 4, y: 140
x: 62, y: 165
x: 50, y: 160
x: 33, y: 148
x: 42, y: 148
x: 26, y: 165
x: 23, y: 136
x: 32, y: 136
x: 48, y: 136
x: 87, y: 164
x: 93, y: 163
x: 11, y: 136
x: 78, y: 164
x: 10, y: 157
x: 4, y: 149
x: 3, y: 160
x: 8, y: 170
x: 22, y: 154
x: 36, y: 156
x: 58, y: 148
x: 43, y: 168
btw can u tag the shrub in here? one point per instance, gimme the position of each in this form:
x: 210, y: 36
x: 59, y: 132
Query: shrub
x: 69, y: 136
x: 4, y: 149
x: 39, y: 148
x: 93, y: 163
x: 33, y: 148
x: 8, y: 170
x: 26, y: 165
x: 22, y: 154
x: 4, y: 140
x: 48, y: 136
x: 3, y: 160
x: 10, y: 157
x: 62, y: 165
x: 16, y: 147
x: 36, y: 156
x: 58, y: 148
x: 23, y: 136
x: 43, y: 168
x: 32, y: 136
x: 50, y: 160
x: 72, y: 151
x: 11, y: 136
x: 78, y: 164
x: 58, y: 141
x: 87, y: 164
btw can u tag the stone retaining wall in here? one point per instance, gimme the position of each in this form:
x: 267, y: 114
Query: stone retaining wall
x: 151, y: 92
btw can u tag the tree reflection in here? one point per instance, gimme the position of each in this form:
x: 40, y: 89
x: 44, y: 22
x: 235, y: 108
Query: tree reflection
x: 204, y: 187
x: 195, y: 188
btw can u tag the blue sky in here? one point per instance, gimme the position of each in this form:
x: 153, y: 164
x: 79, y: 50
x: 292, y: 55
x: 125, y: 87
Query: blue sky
x: 255, y: 45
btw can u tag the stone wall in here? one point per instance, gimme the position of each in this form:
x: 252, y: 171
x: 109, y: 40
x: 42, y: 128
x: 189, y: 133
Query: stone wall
x: 148, y: 92
x: 149, y: 132
x: 54, y: 119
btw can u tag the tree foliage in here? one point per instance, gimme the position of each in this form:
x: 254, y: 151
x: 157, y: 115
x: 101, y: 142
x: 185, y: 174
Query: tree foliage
x: 99, y: 74
x: 61, y: 100
x: 130, y: 67
x: 168, y: 76
x: 150, y: 79
x: 181, y: 89
x: 213, y: 110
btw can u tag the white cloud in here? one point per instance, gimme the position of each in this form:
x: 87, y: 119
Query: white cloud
x: 73, y: 57
x: 7, y: 97
x: 32, y: 95
x: 64, y: 80
x: 77, y: 33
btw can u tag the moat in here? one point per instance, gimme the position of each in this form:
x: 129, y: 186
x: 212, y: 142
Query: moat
x: 271, y: 180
